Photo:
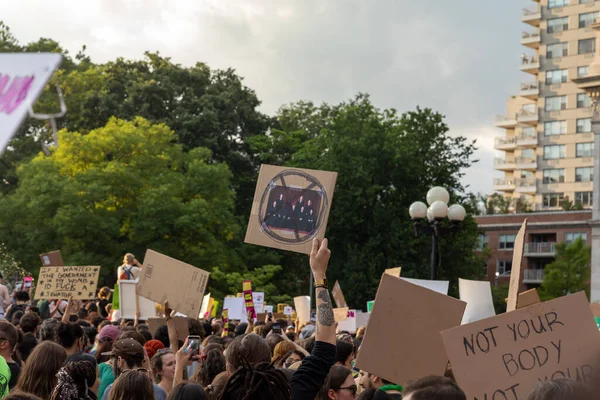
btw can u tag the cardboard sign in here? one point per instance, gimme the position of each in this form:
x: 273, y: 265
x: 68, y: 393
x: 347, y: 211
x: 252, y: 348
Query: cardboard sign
x: 595, y: 307
x: 393, y: 271
x: 204, y: 309
x: 22, y: 79
x: 259, y: 301
x: 181, y: 326
x: 340, y: 314
x: 64, y: 282
x: 164, y: 278
x: 338, y: 295
x: 236, y: 308
x: 478, y: 296
x: 291, y: 207
x: 550, y: 340
x: 437, y: 286
x: 52, y: 259
x: 527, y: 298
x: 405, y: 325
x: 516, y: 272
x: 127, y: 302
x: 302, y: 305
x: 248, y: 298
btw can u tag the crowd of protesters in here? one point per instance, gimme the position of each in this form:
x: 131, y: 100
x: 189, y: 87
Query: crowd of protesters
x: 67, y: 350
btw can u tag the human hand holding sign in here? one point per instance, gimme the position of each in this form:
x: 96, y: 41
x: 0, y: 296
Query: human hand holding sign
x: 319, y: 259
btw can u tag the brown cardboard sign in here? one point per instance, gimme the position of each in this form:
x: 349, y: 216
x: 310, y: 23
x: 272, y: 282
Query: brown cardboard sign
x: 528, y: 298
x: 64, y: 282
x: 164, y: 278
x: 595, y: 307
x: 291, y: 207
x: 181, y: 326
x: 338, y: 295
x: 516, y: 272
x: 393, y: 271
x: 505, y: 356
x: 340, y: 314
x: 52, y: 259
x: 405, y: 326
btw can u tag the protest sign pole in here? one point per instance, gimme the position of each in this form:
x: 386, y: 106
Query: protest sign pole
x: 310, y: 289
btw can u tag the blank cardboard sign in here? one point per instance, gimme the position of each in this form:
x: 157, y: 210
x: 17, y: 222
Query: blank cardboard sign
x: 505, y: 356
x: 290, y: 208
x: 338, y: 295
x: 478, y: 296
x: 403, y: 339
x: 516, y: 272
x: 164, y: 278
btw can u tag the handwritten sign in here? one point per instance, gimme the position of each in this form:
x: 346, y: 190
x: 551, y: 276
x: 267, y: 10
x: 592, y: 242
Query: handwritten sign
x: 22, y: 79
x: 288, y: 311
x: 504, y: 357
x: 64, y: 282
x: 249, y: 300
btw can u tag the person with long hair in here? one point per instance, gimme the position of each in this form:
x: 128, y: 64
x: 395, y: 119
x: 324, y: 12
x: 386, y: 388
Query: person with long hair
x: 77, y: 380
x: 339, y: 385
x: 215, y: 389
x: 38, y: 376
x: 212, y: 363
x: 163, y: 369
x: 133, y: 384
x: 187, y: 391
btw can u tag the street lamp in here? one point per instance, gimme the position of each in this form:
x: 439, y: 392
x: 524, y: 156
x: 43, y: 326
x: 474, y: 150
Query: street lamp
x: 438, y: 210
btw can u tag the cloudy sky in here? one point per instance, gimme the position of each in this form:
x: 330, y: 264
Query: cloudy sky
x: 458, y: 57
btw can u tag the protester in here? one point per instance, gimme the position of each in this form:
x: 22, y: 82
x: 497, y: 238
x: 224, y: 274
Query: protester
x: 8, y: 341
x: 21, y: 396
x: 163, y: 369
x: 104, y: 342
x: 339, y: 385
x: 559, y: 389
x: 435, y: 387
x: 38, y: 376
x: 48, y: 329
x: 26, y: 346
x: 344, y: 353
x: 58, y: 308
x: 30, y: 323
x: 370, y: 381
x: 281, y: 350
x: 130, y: 269
x: 215, y: 389
x: 212, y: 364
x: 128, y: 354
x: 187, y: 391
x: 134, y: 384
x: 4, y: 297
x: 103, y: 300
x: 21, y: 299
x: 374, y: 394
x: 153, y: 346
x: 77, y: 380
x: 291, y: 358
x: 70, y: 336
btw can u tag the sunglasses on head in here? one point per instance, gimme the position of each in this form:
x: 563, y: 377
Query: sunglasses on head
x: 352, y: 388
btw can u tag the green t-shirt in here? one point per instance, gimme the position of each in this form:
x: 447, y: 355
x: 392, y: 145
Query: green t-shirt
x: 107, y: 377
x: 4, y: 378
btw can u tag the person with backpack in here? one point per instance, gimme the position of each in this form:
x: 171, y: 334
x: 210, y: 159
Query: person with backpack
x: 21, y: 298
x: 130, y: 270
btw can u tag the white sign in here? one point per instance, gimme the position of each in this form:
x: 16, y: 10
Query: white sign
x: 269, y: 309
x: 288, y: 310
x: 127, y: 302
x: 22, y: 79
x: 436, y: 286
x: 236, y: 308
x: 302, y: 304
x: 478, y: 295
x: 259, y: 301
x: 204, y: 307
x: 356, y: 319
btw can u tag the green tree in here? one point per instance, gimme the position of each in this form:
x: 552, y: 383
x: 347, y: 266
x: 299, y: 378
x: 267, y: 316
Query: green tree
x: 124, y: 187
x: 569, y: 273
x: 385, y: 162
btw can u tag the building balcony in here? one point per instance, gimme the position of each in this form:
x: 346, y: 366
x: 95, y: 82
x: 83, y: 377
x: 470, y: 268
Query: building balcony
x: 503, y: 121
x: 504, y: 164
x: 528, y: 186
x: 527, y: 140
x: 543, y: 249
x: 530, y: 65
x: 533, y: 276
x: 528, y: 117
x: 526, y: 163
x: 504, y: 143
x: 503, y: 185
x: 531, y: 39
x: 530, y: 91
x: 532, y: 16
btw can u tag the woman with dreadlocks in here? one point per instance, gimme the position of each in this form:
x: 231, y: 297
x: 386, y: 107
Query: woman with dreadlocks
x: 262, y: 381
x: 76, y: 381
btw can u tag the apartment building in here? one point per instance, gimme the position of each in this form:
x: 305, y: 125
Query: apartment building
x: 548, y: 142
x: 544, y: 231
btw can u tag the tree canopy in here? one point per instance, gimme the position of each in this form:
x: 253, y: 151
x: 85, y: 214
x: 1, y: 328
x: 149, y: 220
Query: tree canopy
x: 569, y: 273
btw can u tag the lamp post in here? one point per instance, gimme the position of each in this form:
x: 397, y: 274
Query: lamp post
x: 437, y: 198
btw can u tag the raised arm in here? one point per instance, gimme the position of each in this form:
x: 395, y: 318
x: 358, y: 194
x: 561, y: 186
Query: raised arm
x: 319, y: 258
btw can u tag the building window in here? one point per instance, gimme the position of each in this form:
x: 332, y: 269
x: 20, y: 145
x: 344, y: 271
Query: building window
x: 506, y: 241
x: 556, y: 76
x: 582, y: 71
x: 482, y: 241
x: 503, y: 267
x: 570, y: 237
x: 587, y: 19
x: 584, y: 198
x: 585, y: 174
x: 557, y: 50
x: 528, y: 132
x: 554, y: 152
x: 557, y: 3
x: 556, y: 103
x: 555, y: 128
x: 558, y: 24
x: 583, y: 100
x: 584, y: 149
x: 552, y: 199
x: 554, y: 175
x: 528, y: 108
x: 586, y: 46
x: 584, y: 125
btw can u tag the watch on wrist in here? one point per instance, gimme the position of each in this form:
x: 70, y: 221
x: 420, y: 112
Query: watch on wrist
x: 321, y: 283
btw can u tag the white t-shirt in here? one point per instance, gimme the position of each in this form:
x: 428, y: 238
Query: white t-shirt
x: 62, y: 305
x: 134, y: 272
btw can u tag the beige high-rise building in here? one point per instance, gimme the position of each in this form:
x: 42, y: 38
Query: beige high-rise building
x: 548, y: 146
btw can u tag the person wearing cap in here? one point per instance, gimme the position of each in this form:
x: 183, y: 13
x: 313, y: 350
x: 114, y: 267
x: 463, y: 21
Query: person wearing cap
x: 104, y: 343
x: 128, y: 354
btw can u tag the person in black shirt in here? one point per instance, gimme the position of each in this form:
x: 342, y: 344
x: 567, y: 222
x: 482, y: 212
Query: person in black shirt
x: 8, y: 340
x: 103, y: 301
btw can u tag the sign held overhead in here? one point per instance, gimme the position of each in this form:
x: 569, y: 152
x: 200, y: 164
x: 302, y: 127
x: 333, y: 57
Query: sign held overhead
x: 64, y: 282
